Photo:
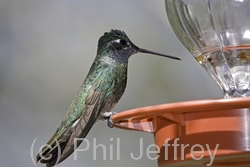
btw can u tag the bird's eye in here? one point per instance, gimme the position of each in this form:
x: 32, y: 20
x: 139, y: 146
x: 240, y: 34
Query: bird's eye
x: 123, y: 42
x: 120, y: 43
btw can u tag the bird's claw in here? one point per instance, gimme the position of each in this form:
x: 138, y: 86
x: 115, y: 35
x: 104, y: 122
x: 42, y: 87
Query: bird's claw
x: 109, y: 119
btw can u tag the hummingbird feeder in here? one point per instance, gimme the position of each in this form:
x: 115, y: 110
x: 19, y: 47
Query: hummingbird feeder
x: 208, y: 132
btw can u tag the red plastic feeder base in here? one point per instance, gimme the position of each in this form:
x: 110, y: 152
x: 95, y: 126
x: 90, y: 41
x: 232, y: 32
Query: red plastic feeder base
x: 195, y: 133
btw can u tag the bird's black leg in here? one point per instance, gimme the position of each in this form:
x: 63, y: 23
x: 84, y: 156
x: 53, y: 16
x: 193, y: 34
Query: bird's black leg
x: 108, y: 116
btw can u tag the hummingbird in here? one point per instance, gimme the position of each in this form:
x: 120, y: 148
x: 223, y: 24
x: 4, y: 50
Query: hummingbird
x: 100, y: 92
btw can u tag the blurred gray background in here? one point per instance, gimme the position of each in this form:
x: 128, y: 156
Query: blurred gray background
x: 46, y: 50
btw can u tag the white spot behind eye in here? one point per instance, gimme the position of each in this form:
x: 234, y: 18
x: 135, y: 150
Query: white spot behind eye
x: 117, y: 40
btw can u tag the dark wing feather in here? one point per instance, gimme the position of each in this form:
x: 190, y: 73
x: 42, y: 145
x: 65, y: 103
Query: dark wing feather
x: 94, y: 102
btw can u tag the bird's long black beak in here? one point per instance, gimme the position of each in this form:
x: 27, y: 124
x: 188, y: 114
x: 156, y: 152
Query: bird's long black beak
x: 155, y: 53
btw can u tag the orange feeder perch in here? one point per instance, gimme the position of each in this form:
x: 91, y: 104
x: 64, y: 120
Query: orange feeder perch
x: 195, y: 133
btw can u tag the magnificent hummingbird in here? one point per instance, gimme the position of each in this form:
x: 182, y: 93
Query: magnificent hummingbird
x: 101, y: 90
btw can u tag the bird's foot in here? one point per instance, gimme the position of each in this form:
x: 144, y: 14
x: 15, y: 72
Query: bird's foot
x: 108, y: 116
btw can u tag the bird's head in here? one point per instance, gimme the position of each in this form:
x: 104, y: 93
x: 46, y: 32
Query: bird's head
x: 118, y: 46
